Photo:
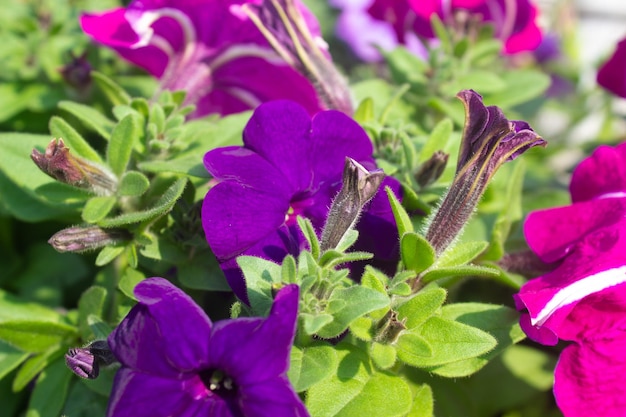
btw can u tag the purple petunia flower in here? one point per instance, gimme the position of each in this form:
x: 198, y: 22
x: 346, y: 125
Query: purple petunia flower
x: 176, y: 362
x: 612, y: 74
x: 583, y: 300
x: 290, y: 165
x: 207, y: 48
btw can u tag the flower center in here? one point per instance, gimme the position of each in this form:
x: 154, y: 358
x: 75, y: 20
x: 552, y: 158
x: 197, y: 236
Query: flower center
x: 219, y: 383
x: 297, y: 207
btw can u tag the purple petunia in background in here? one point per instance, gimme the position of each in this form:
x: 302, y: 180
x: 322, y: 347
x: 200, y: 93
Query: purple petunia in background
x: 207, y: 48
x: 386, y: 24
x: 612, y: 74
x: 176, y: 362
x: 583, y: 300
x: 290, y: 165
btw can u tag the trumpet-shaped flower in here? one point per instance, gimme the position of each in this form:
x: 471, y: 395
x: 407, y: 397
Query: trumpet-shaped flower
x: 290, y: 165
x: 176, y: 362
x: 207, y: 48
x: 583, y: 299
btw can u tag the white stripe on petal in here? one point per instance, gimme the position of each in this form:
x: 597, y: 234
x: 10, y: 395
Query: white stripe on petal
x: 579, y: 290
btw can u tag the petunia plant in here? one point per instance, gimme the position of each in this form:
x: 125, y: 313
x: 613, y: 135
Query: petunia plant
x: 247, y: 208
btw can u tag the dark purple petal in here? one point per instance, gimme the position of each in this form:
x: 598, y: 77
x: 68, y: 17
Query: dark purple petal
x: 335, y: 136
x: 272, y: 398
x: 255, y: 350
x: 279, y: 132
x: 612, y: 75
x: 601, y: 175
x: 137, y: 394
x: 165, y: 334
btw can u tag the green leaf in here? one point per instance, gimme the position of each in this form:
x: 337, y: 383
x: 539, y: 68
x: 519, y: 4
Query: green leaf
x: 111, y: 90
x: 423, y: 305
x: 59, y: 128
x: 423, y: 402
x: 450, y: 341
x: 411, y: 347
x: 91, y: 302
x: 460, y: 271
x: 10, y: 358
x: 288, y: 273
x: 133, y: 184
x: 97, y: 208
x: 108, y: 253
x: 91, y: 118
x: 384, y: 356
x: 460, y: 254
x: 358, y: 302
x: 454, y: 110
x: 357, y: 390
x: 417, y: 254
x: 260, y: 274
x: 499, y: 321
x: 309, y: 234
x: 437, y: 140
x: 130, y: 278
x: 13, y: 308
x: 399, y: 213
x: 521, y: 86
x: 123, y: 138
x: 35, y: 336
x: 405, y: 66
x: 482, y: 81
x: 310, y: 365
x: 312, y: 323
x: 365, y: 111
x: 50, y: 391
x: 162, y: 206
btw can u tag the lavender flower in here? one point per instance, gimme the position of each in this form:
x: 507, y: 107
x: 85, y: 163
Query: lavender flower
x: 207, y: 48
x: 290, y: 165
x: 582, y: 299
x: 176, y: 362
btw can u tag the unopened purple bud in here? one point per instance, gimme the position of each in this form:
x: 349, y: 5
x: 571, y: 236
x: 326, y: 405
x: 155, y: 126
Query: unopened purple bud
x: 60, y: 164
x: 85, y: 362
x: 359, y: 186
x: 288, y: 32
x: 431, y: 170
x: 77, y: 73
x: 489, y: 140
x: 84, y: 238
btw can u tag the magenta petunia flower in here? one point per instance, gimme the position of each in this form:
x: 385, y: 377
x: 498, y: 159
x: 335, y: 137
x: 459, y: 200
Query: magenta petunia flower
x: 612, y: 74
x: 290, y: 165
x: 583, y: 300
x: 515, y: 21
x: 176, y: 362
x: 207, y: 48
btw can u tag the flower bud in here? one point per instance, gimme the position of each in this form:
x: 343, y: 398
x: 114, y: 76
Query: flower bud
x: 84, y: 238
x: 431, y: 170
x: 77, y: 73
x: 359, y: 186
x: 489, y: 140
x: 85, y: 362
x: 58, y: 163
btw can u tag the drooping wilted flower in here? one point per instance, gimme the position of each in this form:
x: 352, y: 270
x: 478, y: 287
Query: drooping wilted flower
x: 205, y: 48
x: 60, y: 164
x: 489, y: 140
x: 293, y: 33
x: 176, y: 362
x: 582, y: 299
x: 290, y: 165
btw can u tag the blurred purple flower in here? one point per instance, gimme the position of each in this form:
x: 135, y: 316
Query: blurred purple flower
x: 612, y: 74
x: 290, y: 165
x: 583, y: 300
x: 386, y: 24
x: 207, y: 48
x: 176, y: 362
x: 515, y: 21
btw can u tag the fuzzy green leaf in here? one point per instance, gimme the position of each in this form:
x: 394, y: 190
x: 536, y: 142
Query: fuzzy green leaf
x: 423, y: 305
x: 461, y: 254
x: 90, y: 118
x: 50, y: 391
x: 384, y: 356
x: 35, y: 336
x: 107, y: 254
x: 133, y: 184
x: 260, y: 274
x: 97, y: 208
x: 417, y: 254
x: 162, y: 206
x: 123, y: 138
x: 59, y: 128
x: 114, y: 92
x: 460, y: 271
x: 310, y: 365
x: 10, y: 358
x: 399, y: 213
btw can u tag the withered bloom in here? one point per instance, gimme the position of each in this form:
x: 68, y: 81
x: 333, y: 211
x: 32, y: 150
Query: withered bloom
x: 84, y: 238
x: 289, y: 28
x: 60, y: 164
x: 489, y: 140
